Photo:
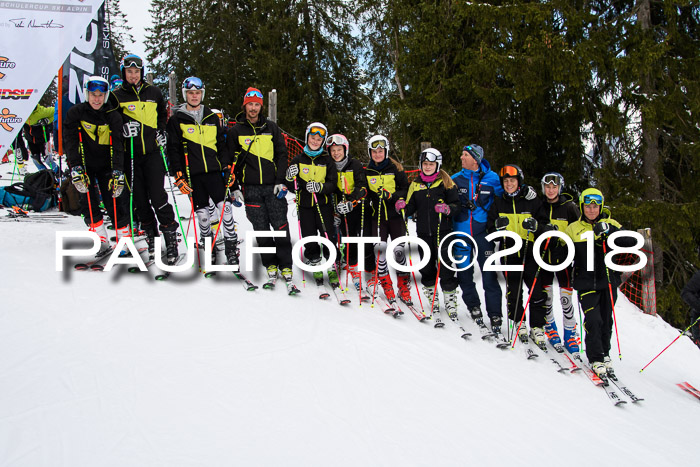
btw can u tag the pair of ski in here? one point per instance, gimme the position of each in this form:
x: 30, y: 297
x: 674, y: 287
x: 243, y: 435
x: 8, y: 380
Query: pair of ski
x: 291, y: 288
x: 390, y: 307
x: 98, y: 264
x: 689, y: 388
x: 604, y: 382
x: 323, y: 292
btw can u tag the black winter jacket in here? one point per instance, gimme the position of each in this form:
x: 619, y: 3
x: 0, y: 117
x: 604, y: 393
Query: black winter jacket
x: 421, y: 200
x: 145, y: 104
x: 258, y: 150
x: 96, y: 127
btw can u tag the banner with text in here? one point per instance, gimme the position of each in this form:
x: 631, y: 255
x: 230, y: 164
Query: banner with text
x: 37, y: 37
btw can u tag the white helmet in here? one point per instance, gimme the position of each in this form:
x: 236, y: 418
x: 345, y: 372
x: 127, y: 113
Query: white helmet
x: 431, y: 155
x: 192, y: 83
x: 96, y: 83
x: 340, y: 140
x: 316, y: 128
x: 378, y: 141
x: 553, y: 178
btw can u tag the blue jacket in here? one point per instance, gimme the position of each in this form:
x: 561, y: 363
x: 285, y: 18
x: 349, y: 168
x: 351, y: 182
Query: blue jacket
x: 481, y: 188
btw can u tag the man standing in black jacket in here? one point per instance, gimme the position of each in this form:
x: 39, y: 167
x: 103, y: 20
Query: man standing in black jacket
x: 260, y: 157
x: 144, y: 113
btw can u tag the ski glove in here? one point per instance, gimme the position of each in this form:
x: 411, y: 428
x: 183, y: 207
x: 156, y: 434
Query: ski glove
x: 116, y: 184
x: 442, y: 208
x: 131, y: 129
x: 80, y: 179
x: 470, y: 205
x: 161, y: 138
x: 345, y: 208
x: 182, y: 184
x: 530, y: 194
x: 313, y: 187
x: 292, y: 172
x: 280, y: 191
x: 400, y: 205
x: 501, y: 223
x: 237, y: 198
x: 601, y: 229
x: 384, y: 194
x: 229, y: 177
x: 549, y: 228
x: 530, y: 224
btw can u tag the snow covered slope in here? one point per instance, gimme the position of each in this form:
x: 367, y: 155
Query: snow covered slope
x: 116, y: 369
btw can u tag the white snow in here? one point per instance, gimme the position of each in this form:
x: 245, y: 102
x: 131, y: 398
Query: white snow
x: 115, y: 369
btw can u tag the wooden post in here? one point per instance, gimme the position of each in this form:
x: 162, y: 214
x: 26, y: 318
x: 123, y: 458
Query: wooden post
x: 272, y: 105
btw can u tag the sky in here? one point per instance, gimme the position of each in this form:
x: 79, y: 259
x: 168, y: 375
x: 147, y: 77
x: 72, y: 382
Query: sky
x: 139, y: 19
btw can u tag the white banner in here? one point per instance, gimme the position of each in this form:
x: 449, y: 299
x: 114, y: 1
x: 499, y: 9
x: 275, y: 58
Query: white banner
x: 36, y: 39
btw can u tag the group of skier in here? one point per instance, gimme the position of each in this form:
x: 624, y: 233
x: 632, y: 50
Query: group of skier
x: 121, y: 141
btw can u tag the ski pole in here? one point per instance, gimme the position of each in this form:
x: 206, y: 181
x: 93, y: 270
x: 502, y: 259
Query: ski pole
x: 347, y: 232
x: 580, y: 318
x: 131, y: 188
x: 221, y: 218
x: 410, y: 262
x: 194, y: 220
x: 532, y: 288
x: 296, y: 199
x: 520, y: 287
x: 325, y: 232
x: 669, y: 345
x: 437, y: 276
x: 114, y: 200
x: 376, y: 264
x: 612, y: 302
x: 82, y: 156
x: 14, y: 168
x: 172, y: 190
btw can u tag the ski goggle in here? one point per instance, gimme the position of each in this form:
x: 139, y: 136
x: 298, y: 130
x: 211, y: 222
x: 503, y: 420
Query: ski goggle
x: 132, y: 61
x: 192, y: 83
x: 317, y: 130
x: 335, y: 139
x: 551, y: 179
x: 593, y: 199
x: 101, y: 86
x: 508, y: 171
x: 428, y: 156
x: 257, y: 94
x: 380, y: 143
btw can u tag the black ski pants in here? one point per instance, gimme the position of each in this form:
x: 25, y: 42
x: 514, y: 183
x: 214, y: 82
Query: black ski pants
x: 101, y: 178
x: 146, y: 178
x: 264, y: 210
x: 313, y: 224
x: 597, y: 321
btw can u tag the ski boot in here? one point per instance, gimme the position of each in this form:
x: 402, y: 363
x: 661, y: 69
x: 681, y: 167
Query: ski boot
x: 171, y: 250
x: 21, y: 168
x: 475, y: 313
x: 287, y: 276
x: 99, y: 229
x: 496, y: 323
x: 450, y: 298
x: 522, y: 333
x: 609, y: 368
x: 231, y: 251
x: 388, y: 287
x: 600, y: 370
x: 429, y: 292
x: 550, y: 330
x: 150, y: 232
x: 538, y: 337
x: 355, y: 276
x: 571, y: 340
x: 318, y: 275
x: 122, y: 232
x: 403, y: 281
x: 272, y: 274
x: 333, y: 278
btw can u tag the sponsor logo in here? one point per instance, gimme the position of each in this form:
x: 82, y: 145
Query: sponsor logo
x: 131, y: 107
x: 305, y: 170
x: 6, y: 118
x: 87, y: 126
x: 248, y: 141
x: 373, y: 181
x: 190, y: 130
x: 5, y: 63
x: 16, y: 93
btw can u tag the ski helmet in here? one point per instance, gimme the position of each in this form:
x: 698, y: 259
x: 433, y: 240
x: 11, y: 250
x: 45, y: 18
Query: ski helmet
x: 222, y: 117
x: 512, y: 170
x: 316, y: 128
x: 96, y: 83
x: 553, y: 178
x: 338, y: 140
x: 378, y: 141
x: 431, y: 155
x: 130, y: 61
x: 192, y: 83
